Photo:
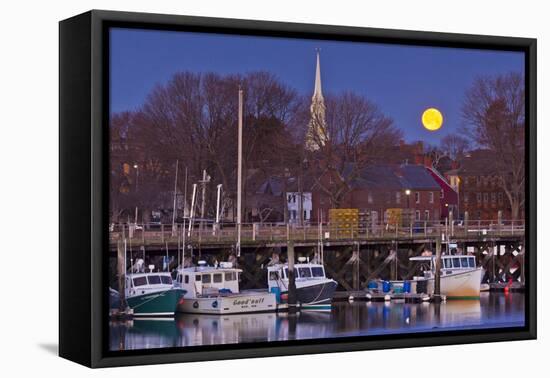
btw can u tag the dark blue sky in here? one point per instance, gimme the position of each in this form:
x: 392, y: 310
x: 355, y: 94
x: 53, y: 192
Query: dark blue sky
x: 402, y: 80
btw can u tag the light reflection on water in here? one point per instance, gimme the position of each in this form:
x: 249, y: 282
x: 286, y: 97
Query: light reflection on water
x: 345, y: 319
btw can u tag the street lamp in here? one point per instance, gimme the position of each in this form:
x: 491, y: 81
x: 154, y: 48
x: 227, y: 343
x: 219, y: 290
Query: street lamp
x: 136, y: 167
x: 408, y: 193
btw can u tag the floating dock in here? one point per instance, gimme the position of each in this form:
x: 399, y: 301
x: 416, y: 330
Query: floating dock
x: 372, y: 296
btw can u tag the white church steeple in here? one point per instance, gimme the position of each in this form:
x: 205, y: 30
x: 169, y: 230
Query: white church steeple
x: 317, y: 136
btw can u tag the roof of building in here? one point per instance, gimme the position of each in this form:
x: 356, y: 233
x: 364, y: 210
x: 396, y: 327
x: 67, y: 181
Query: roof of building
x: 394, y: 177
x: 477, y: 162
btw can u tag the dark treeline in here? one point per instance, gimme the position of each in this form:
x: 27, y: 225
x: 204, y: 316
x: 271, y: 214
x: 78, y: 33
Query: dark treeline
x: 193, y: 119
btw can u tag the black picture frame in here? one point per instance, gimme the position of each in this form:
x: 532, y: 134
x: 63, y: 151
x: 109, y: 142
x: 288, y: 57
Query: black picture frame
x: 83, y: 196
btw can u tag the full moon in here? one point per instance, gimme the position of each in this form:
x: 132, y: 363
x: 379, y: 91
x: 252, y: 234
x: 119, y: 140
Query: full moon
x: 432, y: 119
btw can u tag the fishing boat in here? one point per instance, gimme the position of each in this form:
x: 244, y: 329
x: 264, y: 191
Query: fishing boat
x: 215, y: 290
x: 460, y: 276
x: 314, y: 290
x: 152, y: 293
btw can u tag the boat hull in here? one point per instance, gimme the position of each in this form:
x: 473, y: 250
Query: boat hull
x: 459, y: 285
x: 229, y: 304
x: 162, y: 303
x: 317, y: 296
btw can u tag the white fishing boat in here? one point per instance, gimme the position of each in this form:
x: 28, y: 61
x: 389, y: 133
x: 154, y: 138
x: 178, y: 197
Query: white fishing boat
x: 314, y: 290
x: 215, y: 290
x: 460, y: 276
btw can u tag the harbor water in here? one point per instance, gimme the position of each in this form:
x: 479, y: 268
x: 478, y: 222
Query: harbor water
x: 493, y: 310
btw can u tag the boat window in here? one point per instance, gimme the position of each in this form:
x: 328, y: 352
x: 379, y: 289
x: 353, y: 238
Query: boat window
x: 273, y: 275
x: 206, y: 278
x: 140, y: 281
x: 456, y: 262
x: 167, y: 280
x: 153, y: 280
x: 304, y: 272
x: 198, y: 278
x: 448, y: 263
x: 230, y: 276
x: 472, y: 262
x: 464, y: 262
x: 218, y: 278
x: 317, y: 271
x: 186, y: 279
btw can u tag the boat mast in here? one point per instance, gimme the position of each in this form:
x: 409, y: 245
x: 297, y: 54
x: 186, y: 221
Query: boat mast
x: 239, y: 171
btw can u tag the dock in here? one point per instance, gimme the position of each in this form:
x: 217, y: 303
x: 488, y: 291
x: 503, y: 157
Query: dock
x: 371, y: 296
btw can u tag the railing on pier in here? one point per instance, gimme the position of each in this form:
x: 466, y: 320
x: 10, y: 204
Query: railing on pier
x: 281, y: 232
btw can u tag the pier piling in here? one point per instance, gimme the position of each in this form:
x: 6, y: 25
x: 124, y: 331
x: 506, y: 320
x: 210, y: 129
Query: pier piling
x: 291, y: 278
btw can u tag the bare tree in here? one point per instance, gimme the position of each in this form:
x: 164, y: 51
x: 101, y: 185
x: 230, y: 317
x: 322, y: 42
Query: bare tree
x: 454, y: 146
x: 359, y: 134
x: 494, y: 109
x: 193, y: 118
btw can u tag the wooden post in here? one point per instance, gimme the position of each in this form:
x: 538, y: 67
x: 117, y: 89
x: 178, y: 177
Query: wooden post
x: 121, y: 272
x: 291, y: 277
x: 288, y: 231
x: 356, y: 254
x: 499, y: 222
x: 437, y: 281
x: 452, y: 224
x: 466, y: 223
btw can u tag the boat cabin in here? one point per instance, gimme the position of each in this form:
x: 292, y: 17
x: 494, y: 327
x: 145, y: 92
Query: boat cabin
x: 449, y: 263
x: 144, y: 283
x: 205, y: 280
x: 304, y: 272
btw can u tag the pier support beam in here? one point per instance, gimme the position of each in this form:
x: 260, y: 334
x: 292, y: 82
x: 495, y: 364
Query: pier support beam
x: 291, y: 278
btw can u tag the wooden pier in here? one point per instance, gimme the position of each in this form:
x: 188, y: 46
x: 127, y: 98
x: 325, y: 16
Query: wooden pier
x: 352, y: 257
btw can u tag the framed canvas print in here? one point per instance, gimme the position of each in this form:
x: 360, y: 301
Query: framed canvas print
x: 233, y: 188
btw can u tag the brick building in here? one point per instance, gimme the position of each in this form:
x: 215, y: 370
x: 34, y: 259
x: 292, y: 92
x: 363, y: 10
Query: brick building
x: 382, y: 188
x: 477, y: 183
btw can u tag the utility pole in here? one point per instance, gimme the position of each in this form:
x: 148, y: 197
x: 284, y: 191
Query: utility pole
x: 174, y: 231
x: 192, y: 210
x: 218, y: 199
x: 204, y: 181
x: 239, y: 172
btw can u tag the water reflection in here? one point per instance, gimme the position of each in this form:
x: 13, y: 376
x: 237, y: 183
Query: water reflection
x: 345, y: 319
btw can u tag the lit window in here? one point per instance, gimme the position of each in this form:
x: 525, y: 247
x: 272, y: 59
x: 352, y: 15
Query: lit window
x: 427, y: 214
x: 417, y: 197
x: 417, y: 215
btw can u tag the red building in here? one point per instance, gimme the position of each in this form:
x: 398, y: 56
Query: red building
x: 448, y: 197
